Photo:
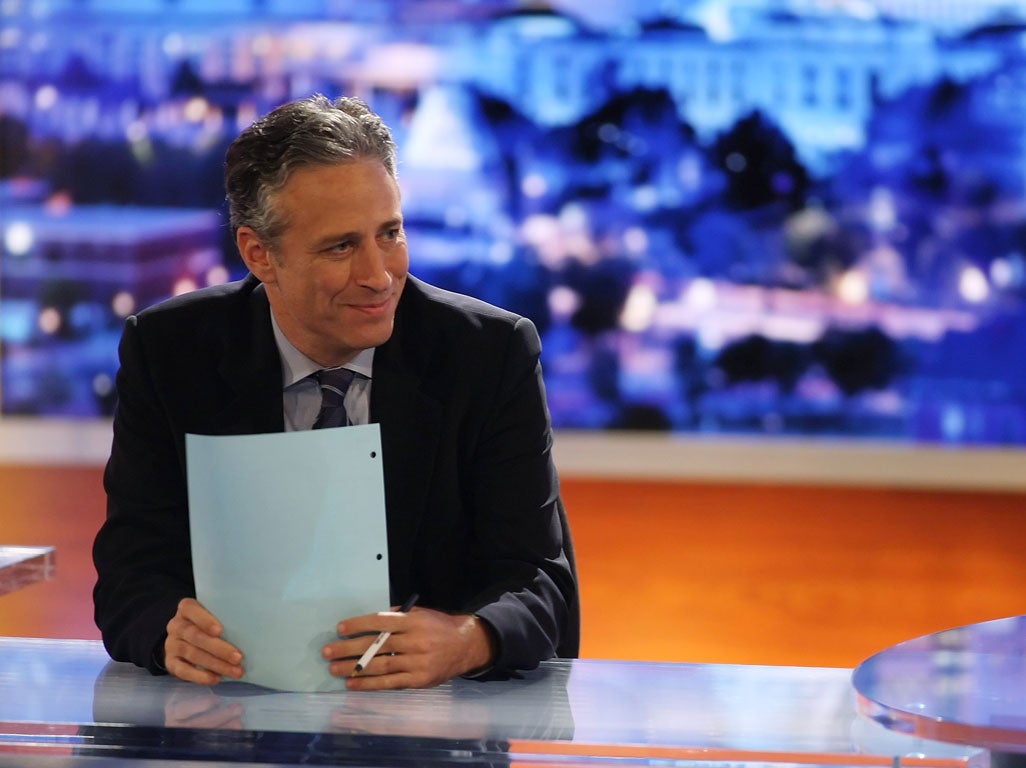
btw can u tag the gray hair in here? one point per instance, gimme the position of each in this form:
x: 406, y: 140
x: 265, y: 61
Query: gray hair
x: 299, y: 134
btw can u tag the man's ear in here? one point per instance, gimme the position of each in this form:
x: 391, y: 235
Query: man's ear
x: 256, y: 255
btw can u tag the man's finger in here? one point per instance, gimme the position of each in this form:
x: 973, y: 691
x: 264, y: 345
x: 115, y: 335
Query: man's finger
x: 192, y: 611
x: 200, y: 657
x: 190, y: 673
x: 384, y: 682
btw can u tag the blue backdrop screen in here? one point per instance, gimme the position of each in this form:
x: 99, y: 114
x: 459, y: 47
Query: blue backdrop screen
x: 769, y: 217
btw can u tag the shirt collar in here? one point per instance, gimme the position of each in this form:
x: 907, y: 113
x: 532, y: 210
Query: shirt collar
x: 295, y: 366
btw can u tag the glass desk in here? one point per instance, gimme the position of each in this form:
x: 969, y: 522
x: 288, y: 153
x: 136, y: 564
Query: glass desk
x: 21, y: 566
x: 965, y: 685
x: 63, y: 702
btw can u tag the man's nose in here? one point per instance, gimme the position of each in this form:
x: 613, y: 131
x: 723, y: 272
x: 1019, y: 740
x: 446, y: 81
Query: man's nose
x: 371, y: 267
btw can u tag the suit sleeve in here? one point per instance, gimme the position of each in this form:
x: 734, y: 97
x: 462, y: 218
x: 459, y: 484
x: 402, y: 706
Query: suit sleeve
x: 141, y: 552
x: 531, y: 601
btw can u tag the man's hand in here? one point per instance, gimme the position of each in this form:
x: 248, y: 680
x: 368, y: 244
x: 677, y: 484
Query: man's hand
x: 426, y: 648
x: 194, y: 650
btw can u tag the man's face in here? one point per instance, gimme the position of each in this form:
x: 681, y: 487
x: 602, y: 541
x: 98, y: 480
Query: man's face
x: 336, y: 273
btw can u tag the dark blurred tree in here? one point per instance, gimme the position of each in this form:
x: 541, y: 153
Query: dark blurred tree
x: 760, y: 164
x: 928, y: 174
x: 603, y: 289
x: 858, y: 360
x: 756, y: 358
x: 14, y: 146
x: 642, y: 123
x: 97, y: 171
x: 642, y: 417
x: 946, y: 139
x: 186, y: 81
x: 78, y: 76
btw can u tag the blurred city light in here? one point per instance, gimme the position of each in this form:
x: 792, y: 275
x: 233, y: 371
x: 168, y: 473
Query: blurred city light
x: 18, y: 238
x: 973, y: 285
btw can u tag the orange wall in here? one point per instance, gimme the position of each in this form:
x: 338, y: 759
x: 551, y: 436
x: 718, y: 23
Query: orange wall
x: 738, y: 573
x: 788, y: 574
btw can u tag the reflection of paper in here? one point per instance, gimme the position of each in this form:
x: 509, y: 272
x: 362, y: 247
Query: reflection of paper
x: 288, y: 538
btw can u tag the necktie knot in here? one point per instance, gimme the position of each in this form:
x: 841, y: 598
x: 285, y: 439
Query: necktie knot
x: 334, y: 383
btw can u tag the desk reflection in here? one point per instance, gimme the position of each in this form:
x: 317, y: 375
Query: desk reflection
x: 460, y: 720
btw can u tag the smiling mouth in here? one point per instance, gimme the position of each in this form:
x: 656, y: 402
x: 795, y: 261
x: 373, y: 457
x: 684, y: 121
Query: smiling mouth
x: 372, y: 308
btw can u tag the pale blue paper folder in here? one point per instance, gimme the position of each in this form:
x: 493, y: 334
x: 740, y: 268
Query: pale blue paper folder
x: 288, y: 537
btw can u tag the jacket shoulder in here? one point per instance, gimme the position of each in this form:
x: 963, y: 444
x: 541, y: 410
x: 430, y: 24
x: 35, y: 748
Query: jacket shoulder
x: 205, y: 300
x: 436, y: 327
x: 449, y: 308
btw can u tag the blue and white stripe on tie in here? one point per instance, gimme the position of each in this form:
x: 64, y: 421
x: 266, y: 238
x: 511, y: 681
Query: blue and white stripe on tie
x: 334, y: 383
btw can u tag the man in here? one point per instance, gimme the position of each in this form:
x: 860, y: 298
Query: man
x: 475, y: 524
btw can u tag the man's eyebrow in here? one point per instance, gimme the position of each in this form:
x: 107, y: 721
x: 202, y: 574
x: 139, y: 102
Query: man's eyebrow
x: 329, y: 240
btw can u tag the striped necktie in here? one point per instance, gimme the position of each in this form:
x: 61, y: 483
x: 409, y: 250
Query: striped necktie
x: 334, y: 383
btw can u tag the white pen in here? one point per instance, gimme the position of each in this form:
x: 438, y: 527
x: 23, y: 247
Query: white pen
x: 383, y: 636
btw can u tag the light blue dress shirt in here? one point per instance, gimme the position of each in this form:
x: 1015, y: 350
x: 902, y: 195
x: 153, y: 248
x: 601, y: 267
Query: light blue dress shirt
x: 301, y: 396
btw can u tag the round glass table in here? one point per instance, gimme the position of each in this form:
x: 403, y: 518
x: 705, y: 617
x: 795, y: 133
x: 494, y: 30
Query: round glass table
x: 965, y: 685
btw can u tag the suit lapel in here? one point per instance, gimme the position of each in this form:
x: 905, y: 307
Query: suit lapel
x: 250, y: 373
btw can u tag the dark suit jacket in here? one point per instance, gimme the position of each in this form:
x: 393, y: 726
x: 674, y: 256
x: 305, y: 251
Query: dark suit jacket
x: 474, y: 519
